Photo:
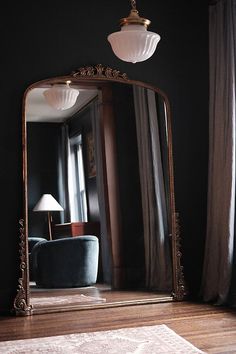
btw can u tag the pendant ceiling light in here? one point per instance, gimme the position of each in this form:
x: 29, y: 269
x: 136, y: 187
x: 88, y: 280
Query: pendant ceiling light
x: 134, y: 43
x: 61, y: 96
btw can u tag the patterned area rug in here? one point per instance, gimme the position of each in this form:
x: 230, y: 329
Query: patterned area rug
x: 77, y: 299
x: 141, y: 340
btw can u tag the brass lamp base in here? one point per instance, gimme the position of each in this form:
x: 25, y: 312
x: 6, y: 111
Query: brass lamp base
x: 50, y: 225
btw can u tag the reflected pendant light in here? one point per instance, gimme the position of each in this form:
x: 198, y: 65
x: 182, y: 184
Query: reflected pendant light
x: 61, y: 96
x: 134, y: 43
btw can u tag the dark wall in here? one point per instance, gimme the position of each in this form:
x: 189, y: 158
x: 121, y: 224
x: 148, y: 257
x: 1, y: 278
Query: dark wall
x: 43, y: 141
x: 44, y: 39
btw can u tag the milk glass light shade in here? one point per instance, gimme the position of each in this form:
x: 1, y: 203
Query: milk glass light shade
x: 61, y: 97
x: 134, y: 43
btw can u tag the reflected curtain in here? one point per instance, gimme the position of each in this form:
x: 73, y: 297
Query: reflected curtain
x: 219, y: 276
x: 63, y: 169
x: 104, y: 244
x: 156, y: 240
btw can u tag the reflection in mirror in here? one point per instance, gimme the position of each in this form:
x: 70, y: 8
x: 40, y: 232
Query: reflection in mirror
x: 61, y: 161
x: 141, y: 159
x: 107, y: 162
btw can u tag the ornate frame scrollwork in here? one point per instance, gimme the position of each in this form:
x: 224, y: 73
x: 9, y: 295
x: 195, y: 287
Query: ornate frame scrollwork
x: 180, y: 290
x: 21, y: 306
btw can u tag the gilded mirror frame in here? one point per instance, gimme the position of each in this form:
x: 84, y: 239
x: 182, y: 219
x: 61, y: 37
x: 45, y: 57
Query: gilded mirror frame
x: 93, y: 75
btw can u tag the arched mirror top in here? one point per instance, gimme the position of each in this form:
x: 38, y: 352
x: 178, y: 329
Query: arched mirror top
x: 116, y: 195
x: 93, y: 76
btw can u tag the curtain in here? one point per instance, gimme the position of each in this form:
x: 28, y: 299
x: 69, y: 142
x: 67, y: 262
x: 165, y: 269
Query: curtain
x: 105, y: 247
x: 156, y: 241
x: 218, y: 281
x: 63, y: 174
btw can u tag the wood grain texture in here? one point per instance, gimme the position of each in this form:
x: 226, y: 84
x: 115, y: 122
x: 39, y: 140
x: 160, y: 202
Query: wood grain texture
x: 210, y: 328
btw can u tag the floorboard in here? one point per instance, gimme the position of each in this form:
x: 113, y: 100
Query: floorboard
x: 210, y: 328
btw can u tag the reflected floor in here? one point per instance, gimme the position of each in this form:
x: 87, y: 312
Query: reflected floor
x: 99, y: 295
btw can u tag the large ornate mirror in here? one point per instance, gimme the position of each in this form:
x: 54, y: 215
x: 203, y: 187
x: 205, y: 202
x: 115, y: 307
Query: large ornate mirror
x: 99, y: 227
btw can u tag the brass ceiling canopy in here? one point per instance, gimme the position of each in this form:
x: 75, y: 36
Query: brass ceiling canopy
x: 134, y: 18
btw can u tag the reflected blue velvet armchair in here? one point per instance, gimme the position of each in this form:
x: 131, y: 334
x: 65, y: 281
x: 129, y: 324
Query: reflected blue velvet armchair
x: 32, y: 241
x: 66, y: 263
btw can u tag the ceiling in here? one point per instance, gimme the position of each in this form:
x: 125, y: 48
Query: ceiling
x: 37, y: 109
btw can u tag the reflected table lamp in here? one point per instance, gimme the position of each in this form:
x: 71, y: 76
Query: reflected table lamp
x: 48, y: 203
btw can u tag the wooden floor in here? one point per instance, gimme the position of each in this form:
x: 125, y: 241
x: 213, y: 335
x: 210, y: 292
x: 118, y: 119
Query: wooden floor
x: 211, y: 329
x: 98, y: 292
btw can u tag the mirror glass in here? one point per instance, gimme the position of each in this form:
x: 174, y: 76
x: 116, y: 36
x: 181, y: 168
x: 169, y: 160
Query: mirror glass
x: 98, y: 209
